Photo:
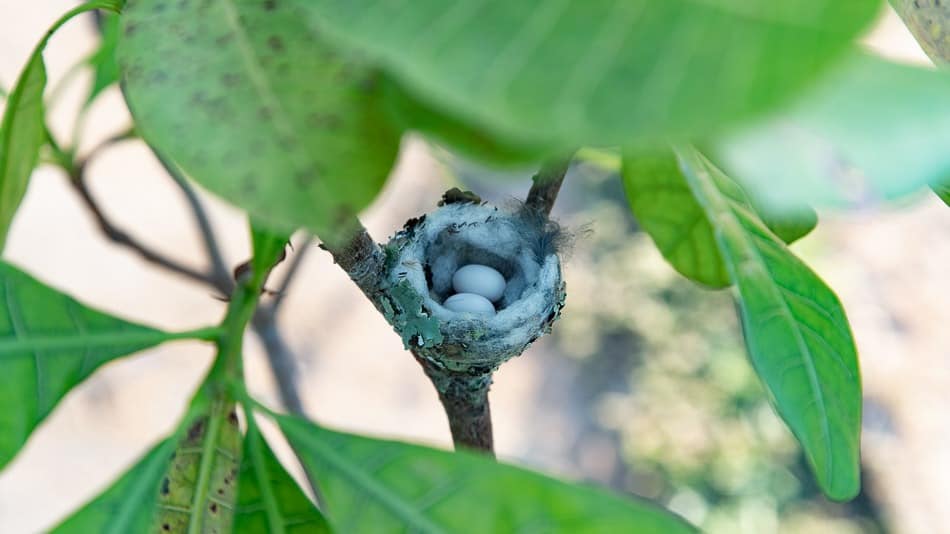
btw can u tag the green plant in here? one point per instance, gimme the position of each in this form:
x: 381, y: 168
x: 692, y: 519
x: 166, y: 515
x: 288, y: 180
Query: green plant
x: 293, y: 110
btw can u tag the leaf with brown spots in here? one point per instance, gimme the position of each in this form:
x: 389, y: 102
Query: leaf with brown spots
x: 201, y: 488
x: 252, y: 104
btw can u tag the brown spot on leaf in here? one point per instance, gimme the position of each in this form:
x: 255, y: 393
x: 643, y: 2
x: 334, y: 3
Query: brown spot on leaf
x: 196, y: 430
x: 230, y: 79
x: 275, y: 43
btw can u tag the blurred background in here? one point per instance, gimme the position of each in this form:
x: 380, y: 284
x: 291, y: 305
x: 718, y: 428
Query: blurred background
x: 643, y: 387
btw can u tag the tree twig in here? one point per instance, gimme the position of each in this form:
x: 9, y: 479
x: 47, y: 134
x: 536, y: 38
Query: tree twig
x: 264, y: 323
x: 546, y: 185
x: 300, y: 254
x: 281, y: 359
x: 123, y: 238
x: 279, y: 355
x: 219, y: 270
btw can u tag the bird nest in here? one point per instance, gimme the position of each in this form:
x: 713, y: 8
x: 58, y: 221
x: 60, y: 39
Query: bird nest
x: 518, y: 242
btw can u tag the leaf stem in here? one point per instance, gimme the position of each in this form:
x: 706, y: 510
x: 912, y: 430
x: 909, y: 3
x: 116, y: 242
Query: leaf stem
x: 268, y: 250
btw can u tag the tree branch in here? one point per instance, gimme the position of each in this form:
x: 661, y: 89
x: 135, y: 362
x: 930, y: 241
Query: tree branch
x: 547, y: 184
x: 291, y: 273
x: 464, y: 398
x: 219, y: 270
x: 122, y: 238
x: 360, y: 257
x: 281, y: 359
x: 264, y: 323
x: 279, y: 355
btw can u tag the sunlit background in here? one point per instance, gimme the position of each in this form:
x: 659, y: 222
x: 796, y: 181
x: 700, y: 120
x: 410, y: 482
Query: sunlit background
x: 644, y: 386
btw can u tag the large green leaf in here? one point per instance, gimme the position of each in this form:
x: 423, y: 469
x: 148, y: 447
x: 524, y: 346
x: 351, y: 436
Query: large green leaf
x: 129, y: 503
x: 869, y: 131
x: 49, y: 342
x: 598, y: 72
x: 253, y: 105
x: 413, y: 114
x: 664, y: 206
x: 375, y: 486
x: 268, y: 498
x: 23, y: 127
x: 666, y: 209
x: 795, y: 328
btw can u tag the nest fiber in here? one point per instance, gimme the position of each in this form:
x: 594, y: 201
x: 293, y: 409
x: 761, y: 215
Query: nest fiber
x: 518, y: 242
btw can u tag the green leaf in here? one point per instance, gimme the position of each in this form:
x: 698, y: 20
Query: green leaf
x: 384, y: 486
x: 796, y: 332
x: 268, y: 498
x: 664, y: 206
x: 254, y: 106
x: 929, y: 21
x: 788, y: 226
x: 22, y: 134
x: 661, y: 200
x: 49, y: 343
x: 869, y: 131
x: 23, y: 127
x: 413, y: 114
x: 942, y: 190
x: 199, y: 491
x: 102, y: 61
x: 129, y: 503
x: 598, y: 72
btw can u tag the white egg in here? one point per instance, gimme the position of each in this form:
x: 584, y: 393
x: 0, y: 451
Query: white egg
x: 469, y: 302
x: 481, y: 280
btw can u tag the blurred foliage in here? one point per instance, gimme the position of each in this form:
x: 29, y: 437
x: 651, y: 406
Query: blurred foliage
x: 690, y: 422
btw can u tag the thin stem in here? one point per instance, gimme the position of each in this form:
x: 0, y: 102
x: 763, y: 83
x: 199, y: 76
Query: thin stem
x: 241, y: 309
x: 292, y: 270
x: 279, y: 355
x: 547, y: 184
x: 122, y: 238
x: 219, y: 270
x: 211, y: 333
x: 281, y: 359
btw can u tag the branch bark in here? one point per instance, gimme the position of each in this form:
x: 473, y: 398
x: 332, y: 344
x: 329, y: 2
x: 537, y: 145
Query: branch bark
x: 466, y: 405
x: 546, y: 186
